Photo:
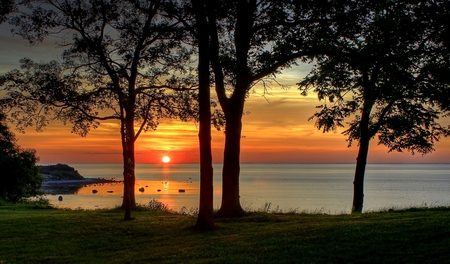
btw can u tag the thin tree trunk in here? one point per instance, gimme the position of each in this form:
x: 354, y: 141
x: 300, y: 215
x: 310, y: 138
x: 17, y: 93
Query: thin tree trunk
x: 361, y: 160
x: 358, y: 183
x: 231, y: 206
x: 205, y: 219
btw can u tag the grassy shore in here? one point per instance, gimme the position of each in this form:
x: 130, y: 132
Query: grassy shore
x: 29, y: 235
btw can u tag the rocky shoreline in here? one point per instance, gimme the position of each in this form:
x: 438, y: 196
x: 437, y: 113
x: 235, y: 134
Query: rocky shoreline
x: 85, y: 181
x: 72, y: 186
x: 61, y: 178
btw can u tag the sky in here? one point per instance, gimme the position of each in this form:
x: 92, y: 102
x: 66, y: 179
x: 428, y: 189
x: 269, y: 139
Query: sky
x: 276, y: 130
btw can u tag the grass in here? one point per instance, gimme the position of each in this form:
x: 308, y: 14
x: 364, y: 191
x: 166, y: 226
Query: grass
x: 30, y: 235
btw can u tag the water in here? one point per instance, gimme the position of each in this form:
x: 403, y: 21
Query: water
x: 326, y: 188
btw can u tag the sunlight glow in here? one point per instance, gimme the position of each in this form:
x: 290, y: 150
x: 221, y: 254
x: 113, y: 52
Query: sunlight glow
x: 166, y: 159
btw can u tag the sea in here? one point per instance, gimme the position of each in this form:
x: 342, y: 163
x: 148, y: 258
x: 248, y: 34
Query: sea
x: 299, y: 188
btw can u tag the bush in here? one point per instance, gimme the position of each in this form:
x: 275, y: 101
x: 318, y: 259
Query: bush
x: 19, y: 176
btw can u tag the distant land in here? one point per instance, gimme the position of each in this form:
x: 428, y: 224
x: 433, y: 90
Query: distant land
x: 60, y: 172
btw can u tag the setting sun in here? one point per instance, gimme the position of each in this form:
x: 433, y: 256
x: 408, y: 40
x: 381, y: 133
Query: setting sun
x: 166, y: 159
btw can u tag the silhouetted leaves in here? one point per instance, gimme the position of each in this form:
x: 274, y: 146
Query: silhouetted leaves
x: 382, y: 71
x: 122, y: 60
x: 20, y: 176
x: 390, y: 65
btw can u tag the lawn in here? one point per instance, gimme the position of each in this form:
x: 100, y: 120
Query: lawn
x: 29, y: 235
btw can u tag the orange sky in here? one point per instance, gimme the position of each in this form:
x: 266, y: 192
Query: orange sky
x: 275, y: 131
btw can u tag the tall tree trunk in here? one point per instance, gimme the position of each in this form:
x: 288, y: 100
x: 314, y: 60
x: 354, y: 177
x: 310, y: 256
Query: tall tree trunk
x: 361, y: 160
x: 231, y: 206
x: 232, y: 107
x: 358, y: 183
x: 205, y: 219
x: 129, y: 164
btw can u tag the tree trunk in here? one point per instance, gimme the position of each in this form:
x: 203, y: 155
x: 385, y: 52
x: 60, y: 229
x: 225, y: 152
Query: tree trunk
x: 129, y: 200
x: 231, y: 206
x: 358, y: 183
x: 129, y: 164
x: 361, y: 162
x: 205, y: 219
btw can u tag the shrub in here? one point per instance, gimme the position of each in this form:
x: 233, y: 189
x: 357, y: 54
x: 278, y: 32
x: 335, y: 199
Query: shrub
x: 19, y: 176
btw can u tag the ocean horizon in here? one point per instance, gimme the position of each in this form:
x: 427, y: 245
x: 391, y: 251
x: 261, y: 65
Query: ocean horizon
x: 282, y: 187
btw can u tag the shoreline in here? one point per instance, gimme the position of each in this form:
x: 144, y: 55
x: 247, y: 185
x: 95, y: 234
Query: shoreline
x: 86, y: 181
x: 72, y: 186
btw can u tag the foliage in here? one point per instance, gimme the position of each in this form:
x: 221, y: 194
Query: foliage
x: 250, y: 43
x: 20, y: 175
x: 35, y: 202
x: 6, y: 7
x: 156, y: 205
x: 56, y: 236
x: 116, y: 54
x: 123, y: 61
x: 382, y: 67
x: 386, y: 68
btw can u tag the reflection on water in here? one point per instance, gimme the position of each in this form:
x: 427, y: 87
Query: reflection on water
x: 59, y: 189
x: 142, y: 187
x: 301, y: 187
x: 99, y: 195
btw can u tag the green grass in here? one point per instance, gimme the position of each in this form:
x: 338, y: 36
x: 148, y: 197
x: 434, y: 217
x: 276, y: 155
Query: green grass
x: 30, y: 235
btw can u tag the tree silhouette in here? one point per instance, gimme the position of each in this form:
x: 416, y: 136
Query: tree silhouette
x: 205, y: 219
x: 20, y: 175
x: 6, y: 7
x: 122, y: 61
x: 383, y: 68
x: 252, y: 41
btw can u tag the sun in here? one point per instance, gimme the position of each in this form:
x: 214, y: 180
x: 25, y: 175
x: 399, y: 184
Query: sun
x: 166, y: 159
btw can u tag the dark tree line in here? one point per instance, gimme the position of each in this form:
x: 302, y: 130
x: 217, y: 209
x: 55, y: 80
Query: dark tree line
x: 383, y: 64
x: 19, y: 176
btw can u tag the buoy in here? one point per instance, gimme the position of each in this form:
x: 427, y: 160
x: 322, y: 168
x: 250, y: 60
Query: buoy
x: 94, y: 191
x: 60, y: 198
x: 141, y: 189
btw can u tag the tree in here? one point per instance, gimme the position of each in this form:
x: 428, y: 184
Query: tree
x: 6, y: 7
x: 382, y: 72
x: 20, y: 175
x: 205, y: 219
x: 250, y: 42
x: 123, y: 61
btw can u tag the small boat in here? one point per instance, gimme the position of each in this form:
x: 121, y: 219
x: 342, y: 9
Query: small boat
x: 181, y: 190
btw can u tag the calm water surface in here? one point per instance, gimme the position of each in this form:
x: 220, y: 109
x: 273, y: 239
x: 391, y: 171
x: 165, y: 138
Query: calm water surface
x: 326, y: 188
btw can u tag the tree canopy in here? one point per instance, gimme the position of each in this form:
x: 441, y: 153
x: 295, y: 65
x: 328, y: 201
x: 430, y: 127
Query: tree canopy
x: 381, y: 68
x: 250, y: 43
x: 6, y: 7
x: 122, y: 60
x: 20, y: 175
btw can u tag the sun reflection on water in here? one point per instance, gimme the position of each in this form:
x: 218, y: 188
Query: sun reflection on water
x: 142, y: 187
